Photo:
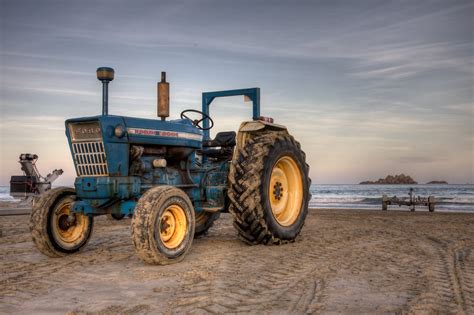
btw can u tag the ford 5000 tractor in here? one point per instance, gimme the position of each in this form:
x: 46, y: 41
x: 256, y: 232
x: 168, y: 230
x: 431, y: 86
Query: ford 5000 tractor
x: 174, y: 180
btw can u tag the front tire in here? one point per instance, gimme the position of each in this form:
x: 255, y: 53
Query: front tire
x: 269, y: 189
x: 53, y: 232
x: 163, y: 225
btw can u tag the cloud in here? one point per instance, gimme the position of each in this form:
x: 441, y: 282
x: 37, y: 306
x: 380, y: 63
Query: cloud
x: 32, y: 122
x: 366, y: 82
x: 405, y: 60
x: 51, y: 91
x: 416, y: 159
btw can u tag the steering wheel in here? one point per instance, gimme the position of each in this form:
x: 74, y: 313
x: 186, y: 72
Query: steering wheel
x: 196, y: 122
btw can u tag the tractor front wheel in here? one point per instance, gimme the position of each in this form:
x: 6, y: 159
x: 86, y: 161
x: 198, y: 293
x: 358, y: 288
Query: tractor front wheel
x: 57, y: 231
x: 163, y: 225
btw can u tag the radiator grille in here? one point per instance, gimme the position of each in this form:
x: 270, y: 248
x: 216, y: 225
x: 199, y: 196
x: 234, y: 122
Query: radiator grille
x: 90, y: 158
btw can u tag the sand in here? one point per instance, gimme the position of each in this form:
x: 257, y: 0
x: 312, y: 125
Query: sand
x: 345, y: 261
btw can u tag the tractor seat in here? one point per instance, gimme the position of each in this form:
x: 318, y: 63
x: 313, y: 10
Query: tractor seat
x: 222, y: 139
x: 221, y: 147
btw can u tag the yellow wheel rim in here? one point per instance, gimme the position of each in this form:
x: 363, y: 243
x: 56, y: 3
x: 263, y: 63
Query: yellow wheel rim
x: 286, y: 191
x: 173, y: 226
x: 69, y: 231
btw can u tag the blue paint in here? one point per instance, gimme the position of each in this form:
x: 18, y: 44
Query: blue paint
x: 129, y: 176
x: 207, y: 97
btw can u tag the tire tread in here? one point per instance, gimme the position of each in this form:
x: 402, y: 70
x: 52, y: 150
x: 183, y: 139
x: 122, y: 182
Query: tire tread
x: 245, y: 180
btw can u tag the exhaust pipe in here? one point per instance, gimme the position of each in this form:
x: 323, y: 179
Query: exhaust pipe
x: 105, y: 75
x: 163, y: 97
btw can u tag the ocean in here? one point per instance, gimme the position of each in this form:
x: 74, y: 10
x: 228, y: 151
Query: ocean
x: 448, y: 197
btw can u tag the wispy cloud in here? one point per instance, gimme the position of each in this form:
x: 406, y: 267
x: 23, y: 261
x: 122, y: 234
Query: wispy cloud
x: 52, y: 91
x: 35, y: 122
x: 401, y: 61
x: 386, y: 83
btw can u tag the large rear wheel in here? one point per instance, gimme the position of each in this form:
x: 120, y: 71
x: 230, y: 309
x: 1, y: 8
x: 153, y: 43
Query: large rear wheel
x: 163, y: 225
x: 57, y: 231
x: 269, y: 189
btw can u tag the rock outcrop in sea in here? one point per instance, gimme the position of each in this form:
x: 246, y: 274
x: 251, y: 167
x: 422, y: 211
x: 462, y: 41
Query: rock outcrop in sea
x: 401, y: 179
x: 437, y: 182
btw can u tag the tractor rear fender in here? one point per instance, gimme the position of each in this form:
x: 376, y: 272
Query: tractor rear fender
x: 252, y: 127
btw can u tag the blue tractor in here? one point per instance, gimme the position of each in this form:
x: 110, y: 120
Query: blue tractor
x: 174, y: 180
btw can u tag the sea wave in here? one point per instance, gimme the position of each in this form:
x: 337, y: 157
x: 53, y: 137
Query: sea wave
x: 5, y: 194
x: 373, y: 200
x: 460, y: 200
x: 370, y: 196
x: 338, y: 199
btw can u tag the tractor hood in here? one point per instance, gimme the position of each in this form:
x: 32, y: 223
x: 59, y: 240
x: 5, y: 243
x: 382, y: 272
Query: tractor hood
x: 122, y: 129
x: 100, y: 144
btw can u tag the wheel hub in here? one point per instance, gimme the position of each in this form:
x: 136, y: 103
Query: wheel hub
x: 68, y: 228
x: 167, y: 226
x: 278, y: 190
x: 173, y: 226
x: 286, y: 190
x: 63, y: 222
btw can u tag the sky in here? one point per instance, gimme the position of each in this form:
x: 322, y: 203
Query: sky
x: 369, y: 88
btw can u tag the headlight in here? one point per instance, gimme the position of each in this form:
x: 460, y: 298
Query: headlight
x: 119, y: 131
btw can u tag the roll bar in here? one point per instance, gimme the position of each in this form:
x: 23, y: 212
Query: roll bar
x: 207, y: 97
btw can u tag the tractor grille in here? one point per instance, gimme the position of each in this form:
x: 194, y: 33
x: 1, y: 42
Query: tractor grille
x: 89, y: 158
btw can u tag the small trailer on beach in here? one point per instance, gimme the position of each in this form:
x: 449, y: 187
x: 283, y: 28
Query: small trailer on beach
x: 412, y: 201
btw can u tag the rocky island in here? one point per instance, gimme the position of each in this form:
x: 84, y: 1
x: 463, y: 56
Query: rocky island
x: 437, y: 182
x: 401, y: 179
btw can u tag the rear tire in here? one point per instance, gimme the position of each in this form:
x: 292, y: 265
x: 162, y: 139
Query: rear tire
x: 51, y: 232
x: 269, y: 189
x: 204, y: 221
x: 163, y: 225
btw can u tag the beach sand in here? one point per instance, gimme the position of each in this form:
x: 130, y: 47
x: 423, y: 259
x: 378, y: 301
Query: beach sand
x: 345, y: 261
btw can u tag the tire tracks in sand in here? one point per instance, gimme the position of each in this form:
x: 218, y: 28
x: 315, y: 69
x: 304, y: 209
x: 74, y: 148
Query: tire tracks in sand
x: 450, y: 280
x: 342, y: 262
x: 289, y: 279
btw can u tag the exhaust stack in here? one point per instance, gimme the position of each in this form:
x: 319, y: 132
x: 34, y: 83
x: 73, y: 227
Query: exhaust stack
x: 105, y: 75
x: 163, y: 97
